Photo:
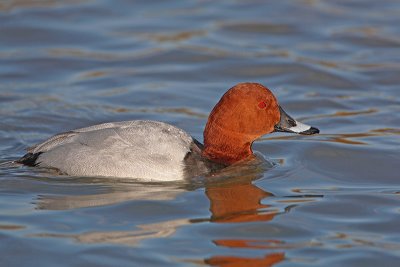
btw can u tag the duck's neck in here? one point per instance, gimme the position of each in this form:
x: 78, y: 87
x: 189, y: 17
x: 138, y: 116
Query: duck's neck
x: 225, y: 147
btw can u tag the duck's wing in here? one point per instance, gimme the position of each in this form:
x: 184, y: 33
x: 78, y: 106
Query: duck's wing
x: 67, y: 137
x: 58, y: 140
x: 51, y: 142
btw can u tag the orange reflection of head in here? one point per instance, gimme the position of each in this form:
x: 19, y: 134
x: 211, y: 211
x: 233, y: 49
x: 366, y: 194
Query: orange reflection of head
x: 237, y: 203
x: 232, y: 261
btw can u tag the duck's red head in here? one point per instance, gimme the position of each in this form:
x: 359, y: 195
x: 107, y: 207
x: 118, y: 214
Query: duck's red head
x: 245, y: 112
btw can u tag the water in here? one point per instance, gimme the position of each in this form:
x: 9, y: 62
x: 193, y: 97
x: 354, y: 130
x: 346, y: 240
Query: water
x: 332, y: 200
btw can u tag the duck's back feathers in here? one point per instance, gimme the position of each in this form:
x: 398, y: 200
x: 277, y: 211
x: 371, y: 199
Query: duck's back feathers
x: 137, y: 149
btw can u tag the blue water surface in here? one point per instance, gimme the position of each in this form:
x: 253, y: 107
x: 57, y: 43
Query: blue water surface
x: 331, y: 200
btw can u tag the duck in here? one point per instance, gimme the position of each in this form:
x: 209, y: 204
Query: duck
x: 157, y: 151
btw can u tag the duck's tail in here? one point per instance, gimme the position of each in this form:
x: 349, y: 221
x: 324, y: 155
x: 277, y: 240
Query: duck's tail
x: 29, y: 159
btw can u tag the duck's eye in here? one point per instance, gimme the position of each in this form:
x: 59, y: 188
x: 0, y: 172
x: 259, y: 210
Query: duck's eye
x: 262, y: 105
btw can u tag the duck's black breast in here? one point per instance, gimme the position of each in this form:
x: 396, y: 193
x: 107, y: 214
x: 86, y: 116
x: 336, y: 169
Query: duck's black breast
x: 195, y: 164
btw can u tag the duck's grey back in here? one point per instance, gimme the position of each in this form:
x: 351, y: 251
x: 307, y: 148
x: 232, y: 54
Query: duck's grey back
x: 143, y: 149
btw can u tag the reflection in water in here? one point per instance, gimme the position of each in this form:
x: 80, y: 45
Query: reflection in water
x: 340, y: 114
x: 238, y: 203
x: 232, y: 200
x: 129, y: 238
x: 117, y: 195
x: 263, y: 244
x: 232, y: 261
x: 175, y: 37
x: 14, y: 4
x: 129, y: 193
x: 9, y: 227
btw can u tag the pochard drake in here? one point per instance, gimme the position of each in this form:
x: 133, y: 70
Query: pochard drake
x: 157, y: 151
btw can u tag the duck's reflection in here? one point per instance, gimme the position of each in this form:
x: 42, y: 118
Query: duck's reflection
x: 233, y: 261
x: 239, y: 202
x: 114, y: 195
x: 232, y: 200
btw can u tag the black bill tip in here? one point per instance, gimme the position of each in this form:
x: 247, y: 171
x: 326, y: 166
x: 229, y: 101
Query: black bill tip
x: 310, y: 131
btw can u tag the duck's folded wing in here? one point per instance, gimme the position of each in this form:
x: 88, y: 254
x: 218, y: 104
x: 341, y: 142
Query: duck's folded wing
x: 67, y: 137
x: 130, y: 149
x: 52, y: 142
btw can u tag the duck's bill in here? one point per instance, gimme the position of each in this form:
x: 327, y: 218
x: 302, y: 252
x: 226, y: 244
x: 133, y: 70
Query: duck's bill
x: 290, y: 125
